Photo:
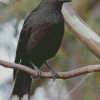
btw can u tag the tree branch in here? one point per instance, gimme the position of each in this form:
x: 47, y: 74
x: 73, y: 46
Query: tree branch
x: 62, y: 75
x: 81, y: 30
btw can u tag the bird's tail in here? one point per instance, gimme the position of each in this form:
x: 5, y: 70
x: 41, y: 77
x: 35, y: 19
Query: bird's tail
x: 22, y: 84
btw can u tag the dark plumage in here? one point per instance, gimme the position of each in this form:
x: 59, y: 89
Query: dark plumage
x: 40, y: 39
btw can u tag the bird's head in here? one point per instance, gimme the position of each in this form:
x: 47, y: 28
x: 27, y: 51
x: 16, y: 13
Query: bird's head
x: 64, y: 0
x: 57, y: 3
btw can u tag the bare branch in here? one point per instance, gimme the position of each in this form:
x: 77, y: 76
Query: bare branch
x: 62, y: 75
x: 81, y: 30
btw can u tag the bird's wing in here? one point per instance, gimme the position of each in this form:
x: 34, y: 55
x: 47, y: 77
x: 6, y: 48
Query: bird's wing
x: 25, y: 34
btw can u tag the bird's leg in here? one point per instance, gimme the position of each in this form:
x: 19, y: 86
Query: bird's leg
x: 52, y: 71
x: 36, y: 68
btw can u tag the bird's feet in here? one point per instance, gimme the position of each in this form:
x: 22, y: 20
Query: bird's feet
x: 38, y: 71
x: 52, y: 71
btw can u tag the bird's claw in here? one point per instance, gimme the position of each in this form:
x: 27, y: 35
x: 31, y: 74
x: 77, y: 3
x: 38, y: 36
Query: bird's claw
x: 38, y: 73
x: 55, y: 74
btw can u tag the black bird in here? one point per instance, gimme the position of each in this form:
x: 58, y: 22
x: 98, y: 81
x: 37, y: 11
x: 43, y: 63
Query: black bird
x: 40, y: 39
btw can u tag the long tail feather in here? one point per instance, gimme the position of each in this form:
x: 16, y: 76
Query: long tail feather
x: 22, y: 85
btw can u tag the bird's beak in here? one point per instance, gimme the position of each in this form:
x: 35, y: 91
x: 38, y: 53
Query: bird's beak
x: 65, y: 0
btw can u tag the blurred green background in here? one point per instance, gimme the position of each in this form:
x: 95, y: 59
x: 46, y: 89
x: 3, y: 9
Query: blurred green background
x: 72, y: 54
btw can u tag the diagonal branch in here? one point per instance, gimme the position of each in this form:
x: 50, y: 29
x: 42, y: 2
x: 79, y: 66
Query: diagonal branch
x: 62, y: 75
x: 81, y: 30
